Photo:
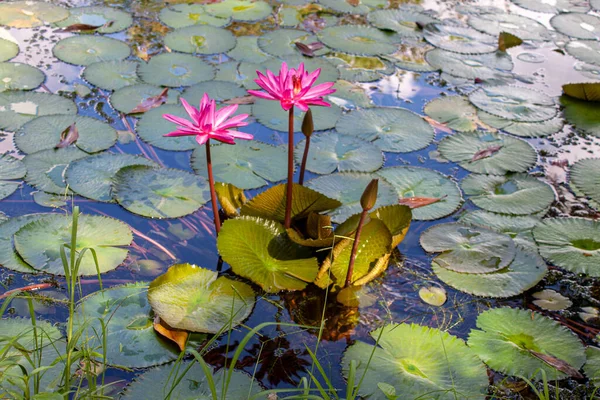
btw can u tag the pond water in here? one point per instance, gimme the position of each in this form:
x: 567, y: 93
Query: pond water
x: 495, y: 125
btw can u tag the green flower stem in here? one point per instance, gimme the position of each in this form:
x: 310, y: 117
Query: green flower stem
x: 304, y: 158
x: 290, y: 178
x: 213, y: 194
x: 361, y: 221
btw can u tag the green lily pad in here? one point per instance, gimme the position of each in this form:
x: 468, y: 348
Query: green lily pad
x: 526, y: 270
x: 456, y: 112
x: 422, y: 182
x: 570, y: 243
x: 247, y: 50
x: 240, y: 10
x: 130, y: 337
x: 9, y: 258
x: 50, y: 200
x: 39, y: 242
x: 152, y: 127
x: 577, y: 25
x: 17, y: 76
x: 416, y: 361
x: 361, y: 7
x: 45, y: 169
x: 159, y: 193
x: 459, y: 39
x: 488, y: 152
x: 517, y: 194
x: 411, y: 56
x: 112, y: 75
x: 433, y: 295
x: 109, y: 19
x: 281, y: 42
x: 551, y: 300
x: 487, y: 67
x: 182, y: 15
x: 220, y: 91
x: 395, y: 130
x: 259, y: 250
x: 514, y: 103
x: 200, y: 39
x: 129, y: 97
x: 238, y: 73
x: 8, y: 50
x: 8, y: 188
x: 331, y: 151
x: 349, y: 96
x: 555, y: 6
x: 584, y: 179
x: 86, y: 50
x: 44, y: 133
x: 328, y: 72
x: 523, y: 129
x: 11, y: 168
x: 587, y: 51
x: 247, y: 164
x: 174, y: 70
x: 507, y: 336
x: 271, y: 115
x: 357, y: 39
x: 581, y: 114
x: 30, y: 14
x: 518, y: 25
x: 17, y: 108
x: 404, y: 22
x: 93, y: 176
x: 519, y: 228
x: 592, y: 365
x: 355, y: 68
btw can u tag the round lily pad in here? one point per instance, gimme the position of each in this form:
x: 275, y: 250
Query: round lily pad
x: 152, y: 126
x: 182, y: 15
x: 526, y: 270
x: 11, y: 168
x: 129, y: 97
x: 507, y: 337
x: 360, y: 68
x: 92, y: 177
x: 44, y: 133
x: 159, y: 193
x: 112, y: 75
x: 349, y: 96
x: 130, y: 337
x: 395, y: 130
x: 331, y: 151
x: 577, y: 25
x: 219, y: 91
x: 587, y: 51
x: 518, y: 25
x: 488, y: 152
x: 247, y: 164
x: 456, y: 112
x: 45, y: 169
x: 570, y: 243
x: 584, y: 179
x: 519, y: 228
x: 30, y: 14
x: 174, y: 70
x: 109, y: 19
x: 247, y: 50
x: 240, y: 10
x: 39, y: 242
x: 551, y: 300
x: 411, y: 57
x: 554, y: 6
x: 402, y: 21
x: 8, y: 50
x: 273, y: 116
x: 196, y: 299
x: 17, y: 108
x: 86, y: 50
x: 9, y: 258
x: 459, y: 39
x: 592, y: 365
x: 357, y: 39
x: 581, y: 114
x: 17, y: 76
x: 523, y: 129
x: 328, y: 72
x: 487, y: 67
x: 238, y: 73
x: 200, y: 39
x: 361, y: 7
x: 416, y: 361
x: 514, y: 103
x: 517, y: 194
x: 281, y: 42
x: 417, y: 182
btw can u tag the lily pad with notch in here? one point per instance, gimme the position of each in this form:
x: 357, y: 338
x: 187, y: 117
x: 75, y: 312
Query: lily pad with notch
x: 357, y: 39
x: 220, y: 91
x: 488, y: 67
x: 551, y: 300
x: 10, y: 168
x: 30, y: 14
x: 282, y: 42
x: 519, y: 228
x: 455, y: 112
x: 174, y: 70
x: 152, y: 127
x: 247, y: 50
x: 46, y: 168
x: 107, y: 19
x: 355, y: 68
x: 182, y: 15
x: 128, y: 98
x: 402, y: 21
x: 86, y: 50
x: 112, y: 75
x: 523, y: 129
x: 459, y: 39
x: 514, y: 103
x: 577, y: 25
x: 17, y: 108
x: 200, y: 39
x: 584, y: 179
x: 9, y: 258
x: 277, y: 118
x: 18, y: 76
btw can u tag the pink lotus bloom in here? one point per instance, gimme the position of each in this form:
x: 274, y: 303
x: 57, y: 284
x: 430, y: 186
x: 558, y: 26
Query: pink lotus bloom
x: 209, y: 123
x: 292, y: 87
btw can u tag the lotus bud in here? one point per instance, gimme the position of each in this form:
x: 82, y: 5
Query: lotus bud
x: 369, y: 196
x: 308, y: 126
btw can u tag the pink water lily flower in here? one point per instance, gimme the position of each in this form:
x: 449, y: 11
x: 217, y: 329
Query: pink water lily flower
x: 292, y: 87
x: 209, y: 123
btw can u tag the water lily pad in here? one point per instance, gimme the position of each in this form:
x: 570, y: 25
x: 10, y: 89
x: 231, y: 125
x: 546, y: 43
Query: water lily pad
x: 159, y: 193
x: 350, y: 7
x: 506, y: 338
x: 240, y: 10
x: 30, y: 14
x: 433, y: 295
x: 152, y: 126
x: 402, y: 21
x: 8, y: 50
x: 523, y: 129
x: 517, y: 194
x: 592, y: 365
x: 328, y: 72
x: 130, y: 337
x: 196, y: 299
x: 584, y: 179
x: 17, y: 108
x: 409, y: 182
x: 554, y: 6
x: 577, y: 25
x: 514, y: 103
x: 357, y: 39
x: 456, y: 112
x: 488, y: 152
x: 587, y: 51
x: 17, y: 76
x: 247, y: 50
x: 174, y: 70
x: 109, y: 19
x: 416, y: 361
x: 518, y: 25
x: 44, y: 133
x: 247, y: 164
x: 259, y: 250
x: 570, y: 243
x: 220, y: 91
x: 9, y: 258
x: 349, y: 96
x: 200, y: 39
x: 582, y: 114
x: 8, y: 188
x: 361, y: 69
x: 45, y: 169
x: 551, y: 300
x: 39, y: 242
x: 238, y: 73
x: 128, y: 98
x: 395, y: 130
x: 273, y: 116
x: 86, y: 50
x: 491, y: 67
x: 50, y: 200
x: 11, y: 168
x: 182, y: 15
x: 112, y: 75
x: 93, y: 176
x: 332, y: 151
x: 459, y: 39
x: 282, y: 42
x: 519, y: 228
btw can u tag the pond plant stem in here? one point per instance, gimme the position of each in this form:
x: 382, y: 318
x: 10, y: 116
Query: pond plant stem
x: 290, y: 177
x: 304, y: 158
x: 213, y: 194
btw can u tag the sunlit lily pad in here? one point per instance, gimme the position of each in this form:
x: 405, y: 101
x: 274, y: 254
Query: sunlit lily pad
x: 109, y: 19
x: 8, y: 49
x: 456, y: 112
x: 554, y: 6
x: 240, y: 10
x: 488, y: 153
x: 349, y: 96
x: 9, y: 258
x: 17, y: 108
x: 200, y: 39
x: 518, y: 25
x: 403, y: 22
x: 46, y: 168
x: 30, y: 14
x: 416, y: 360
x: 570, y: 243
x: 587, y: 51
x: 395, y: 130
x: 281, y: 42
x: 130, y: 337
x: 39, y: 242
x: 355, y: 68
x: 112, y: 75
x: 519, y: 228
x: 182, y: 15
x: 491, y: 67
x: 523, y: 129
x: 196, y: 299
x: 506, y: 337
x: 173, y: 70
x: 551, y: 300
x: 577, y: 25
x: 93, y: 176
x: 359, y: 7
x: 247, y: 50
x: 582, y: 114
x: 128, y: 98
x: 357, y: 39
x: 410, y: 56
x: 592, y: 365
x: 217, y: 90
x: 44, y: 133
x: 86, y: 50
x: 514, y: 103
x: 152, y: 126
x: 247, y: 164
x: 274, y: 117
x: 459, y: 39
x: 584, y: 179
x: 259, y: 250
x: 159, y: 193
x: 17, y: 76
x: 418, y: 182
